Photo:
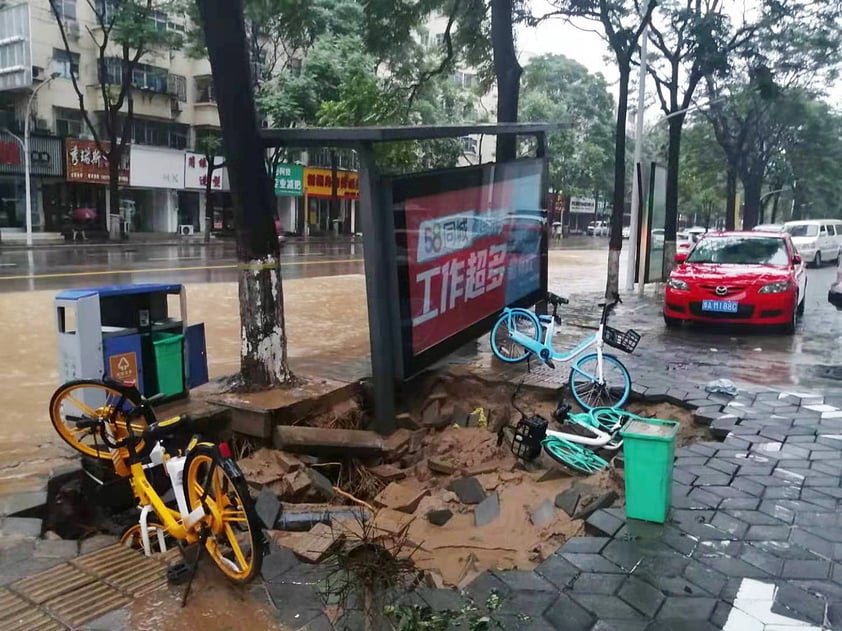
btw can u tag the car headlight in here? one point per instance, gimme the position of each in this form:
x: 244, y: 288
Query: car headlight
x: 776, y: 288
x: 677, y: 284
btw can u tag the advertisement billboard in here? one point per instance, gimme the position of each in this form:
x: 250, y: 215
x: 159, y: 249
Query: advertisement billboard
x: 86, y: 163
x: 470, y: 241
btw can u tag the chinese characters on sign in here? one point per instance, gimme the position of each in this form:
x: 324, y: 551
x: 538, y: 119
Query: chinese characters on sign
x: 469, y: 251
x: 196, y: 172
x: 319, y: 183
x: 86, y: 163
x: 289, y: 180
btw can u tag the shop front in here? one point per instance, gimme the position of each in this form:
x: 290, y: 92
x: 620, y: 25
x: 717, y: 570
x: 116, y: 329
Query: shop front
x: 289, y: 191
x: 326, y: 214
x: 155, y: 178
x: 46, y: 169
x: 87, y: 200
x: 193, y: 206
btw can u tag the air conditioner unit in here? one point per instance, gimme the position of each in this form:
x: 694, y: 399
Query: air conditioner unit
x: 185, y: 230
x: 71, y: 29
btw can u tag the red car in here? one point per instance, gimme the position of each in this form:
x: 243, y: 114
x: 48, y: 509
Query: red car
x: 737, y: 278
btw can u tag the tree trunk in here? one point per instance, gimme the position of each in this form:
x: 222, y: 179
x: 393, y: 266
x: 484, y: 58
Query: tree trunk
x: 508, y: 71
x: 209, y: 200
x: 263, y: 353
x: 671, y: 219
x: 618, y: 201
x: 753, y: 187
x: 730, y: 198
x: 775, y: 204
x: 113, y: 190
x: 334, y: 200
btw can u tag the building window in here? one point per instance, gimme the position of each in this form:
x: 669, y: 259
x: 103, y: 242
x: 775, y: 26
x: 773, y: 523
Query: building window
x: 159, y: 21
x: 295, y: 66
x: 159, y: 134
x: 439, y: 40
x: 144, y: 76
x: 176, y: 27
x: 69, y: 123
x: 464, y: 79
x: 66, y: 9
x: 469, y: 144
x: 204, y: 90
x: 66, y: 64
x: 177, y: 86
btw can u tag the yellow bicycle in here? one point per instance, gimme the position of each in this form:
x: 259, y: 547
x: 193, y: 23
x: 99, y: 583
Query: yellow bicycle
x: 111, y: 420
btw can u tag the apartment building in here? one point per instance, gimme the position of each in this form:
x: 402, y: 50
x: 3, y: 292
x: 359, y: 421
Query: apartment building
x: 173, y: 104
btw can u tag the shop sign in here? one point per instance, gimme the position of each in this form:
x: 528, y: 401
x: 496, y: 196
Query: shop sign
x: 469, y: 242
x: 44, y: 157
x: 86, y: 163
x: 153, y: 167
x: 123, y: 367
x: 289, y: 180
x: 319, y: 183
x: 196, y: 172
x: 583, y: 205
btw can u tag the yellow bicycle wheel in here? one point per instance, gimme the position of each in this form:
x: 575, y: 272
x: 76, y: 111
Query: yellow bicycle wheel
x: 91, y: 399
x: 131, y: 537
x: 235, y: 541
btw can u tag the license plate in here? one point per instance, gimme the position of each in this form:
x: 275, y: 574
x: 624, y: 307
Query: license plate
x: 720, y: 306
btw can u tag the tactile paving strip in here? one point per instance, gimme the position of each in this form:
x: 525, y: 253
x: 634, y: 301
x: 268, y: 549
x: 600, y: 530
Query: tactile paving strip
x: 52, y: 583
x: 125, y: 569
x: 16, y: 614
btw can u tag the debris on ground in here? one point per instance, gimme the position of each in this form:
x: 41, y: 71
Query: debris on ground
x: 722, y: 386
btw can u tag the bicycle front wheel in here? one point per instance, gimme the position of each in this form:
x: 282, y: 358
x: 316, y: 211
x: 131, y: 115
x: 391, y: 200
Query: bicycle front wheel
x: 235, y: 541
x: 504, y: 347
x: 612, y: 391
x: 91, y: 399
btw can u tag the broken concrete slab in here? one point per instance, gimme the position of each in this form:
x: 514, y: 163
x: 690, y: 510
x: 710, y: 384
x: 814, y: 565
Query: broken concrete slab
x: 468, y: 490
x: 440, y: 465
x: 487, y: 510
x: 321, y: 484
x: 55, y: 549
x: 543, y: 514
x: 479, y: 469
x: 568, y: 500
x: 387, y: 472
x: 20, y: 527
x: 439, y: 517
x: 431, y: 413
x: 14, y: 503
x: 267, y: 507
x: 407, y: 421
x: 397, y: 443
x: 401, y: 497
x: 312, y: 546
x: 347, y: 443
x: 590, y: 504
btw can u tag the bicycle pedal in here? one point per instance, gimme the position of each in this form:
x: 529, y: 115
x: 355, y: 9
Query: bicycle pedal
x: 179, y: 572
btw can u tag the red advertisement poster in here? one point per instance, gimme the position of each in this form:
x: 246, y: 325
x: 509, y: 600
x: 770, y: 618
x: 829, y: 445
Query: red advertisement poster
x: 457, y: 251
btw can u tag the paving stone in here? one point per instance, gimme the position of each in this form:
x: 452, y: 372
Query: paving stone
x: 97, y: 542
x: 468, y: 490
x: 20, y: 527
x: 543, y: 514
x: 782, y: 493
x: 769, y: 563
x: 739, y: 503
x: 18, y: 502
x: 809, y: 606
x: 755, y: 518
x: 727, y: 617
x: 734, y: 567
x: 691, y: 460
x: 730, y: 525
x: 441, y: 600
x: 295, y: 605
x: 568, y: 500
x: 794, y: 548
x: 603, y: 523
x: 812, y: 518
x: 597, y: 583
x: 585, y: 545
x: 832, y: 592
x: 620, y: 625
x: 592, y: 563
x: 642, y: 596
x: 714, y: 478
x: 767, y: 533
x: 559, y: 572
x: 624, y: 554
x: 55, y: 549
x: 585, y: 510
x: 268, y: 507
x: 487, y: 511
x: 484, y: 585
x: 834, y: 615
x: 439, y: 517
x: 686, y: 609
x: 683, y: 476
x: 521, y: 580
x: 566, y: 613
x: 707, y: 414
x: 806, y: 569
x: 723, y: 466
x: 604, y: 606
x: 704, y: 499
x: 747, y: 486
x: 779, y: 509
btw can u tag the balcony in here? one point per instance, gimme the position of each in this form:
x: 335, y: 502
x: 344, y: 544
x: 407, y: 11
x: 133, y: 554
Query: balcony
x: 205, y: 115
x: 146, y: 103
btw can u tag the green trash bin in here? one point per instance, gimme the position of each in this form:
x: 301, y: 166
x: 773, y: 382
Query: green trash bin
x: 169, y: 362
x: 649, y: 449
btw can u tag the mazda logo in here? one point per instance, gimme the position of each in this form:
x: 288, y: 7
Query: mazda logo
x: 721, y: 291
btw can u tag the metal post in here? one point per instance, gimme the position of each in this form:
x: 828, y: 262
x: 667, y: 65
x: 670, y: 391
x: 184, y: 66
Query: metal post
x: 27, y: 159
x: 381, y: 316
x: 634, y: 224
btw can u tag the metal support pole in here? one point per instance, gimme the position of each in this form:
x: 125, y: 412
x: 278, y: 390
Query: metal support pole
x: 634, y: 225
x: 381, y: 306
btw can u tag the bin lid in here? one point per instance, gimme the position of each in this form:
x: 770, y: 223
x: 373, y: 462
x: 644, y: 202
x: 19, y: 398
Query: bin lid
x: 120, y: 290
x: 654, y: 428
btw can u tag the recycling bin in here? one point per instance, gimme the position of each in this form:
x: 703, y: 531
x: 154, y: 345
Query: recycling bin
x: 129, y: 333
x: 649, y: 451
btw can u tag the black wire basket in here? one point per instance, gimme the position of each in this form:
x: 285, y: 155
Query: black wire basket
x: 625, y: 341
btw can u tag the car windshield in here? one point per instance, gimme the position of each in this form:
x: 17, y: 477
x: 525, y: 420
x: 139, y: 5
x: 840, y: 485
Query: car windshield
x: 803, y: 230
x: 740, y: 251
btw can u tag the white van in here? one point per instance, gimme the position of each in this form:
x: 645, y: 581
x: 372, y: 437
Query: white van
x: 817, y: 240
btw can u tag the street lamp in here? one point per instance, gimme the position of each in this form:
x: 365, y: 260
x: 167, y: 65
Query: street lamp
x: 27, y: 156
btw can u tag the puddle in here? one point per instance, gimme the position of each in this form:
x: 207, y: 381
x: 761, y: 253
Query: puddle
x: 757, y: 604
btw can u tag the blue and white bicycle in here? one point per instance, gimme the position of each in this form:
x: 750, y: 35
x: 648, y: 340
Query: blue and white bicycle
x: 596, y: 379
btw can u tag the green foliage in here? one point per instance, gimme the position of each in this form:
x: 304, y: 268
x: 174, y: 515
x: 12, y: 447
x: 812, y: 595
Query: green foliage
x: 701, y: 179
x: 559, y: 90
x: 470, y: 617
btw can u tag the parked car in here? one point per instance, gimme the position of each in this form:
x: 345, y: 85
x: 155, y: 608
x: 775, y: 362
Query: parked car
x: 737, y: 277
x: 768, y: 227
x: 817, y: 240
x: 598, y: 229
x: 834, y: 295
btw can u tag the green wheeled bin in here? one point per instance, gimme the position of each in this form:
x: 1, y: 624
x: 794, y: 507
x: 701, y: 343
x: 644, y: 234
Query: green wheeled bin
x: 169, y: 362
x: 649, y: 449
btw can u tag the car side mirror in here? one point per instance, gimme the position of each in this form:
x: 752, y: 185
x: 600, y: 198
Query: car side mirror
x: 681, y: 257
x: 796, y: 259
